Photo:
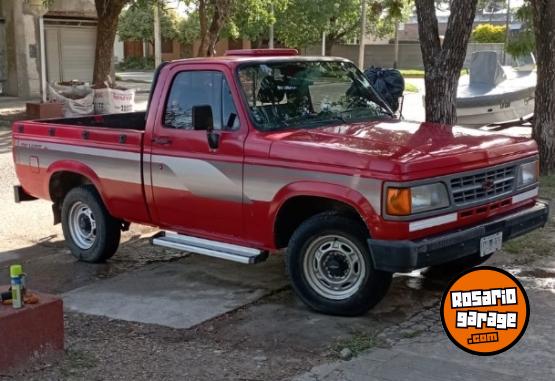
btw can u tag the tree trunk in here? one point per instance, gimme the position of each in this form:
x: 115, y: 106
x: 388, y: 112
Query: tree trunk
x: 544, y: 113
x: 210, y: 35
x: 443, y: 62
x: 203, y: 20
x: 329, y: 45
x: 108, y: 12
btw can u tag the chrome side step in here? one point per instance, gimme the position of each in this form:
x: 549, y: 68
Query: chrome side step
x: 210, y: 248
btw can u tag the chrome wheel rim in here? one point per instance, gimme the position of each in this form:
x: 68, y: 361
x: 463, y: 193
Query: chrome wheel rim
x: 334, y: 267
x: 82, y: 225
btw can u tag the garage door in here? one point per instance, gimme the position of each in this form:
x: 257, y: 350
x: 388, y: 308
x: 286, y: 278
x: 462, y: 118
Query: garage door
x: 69, y: 50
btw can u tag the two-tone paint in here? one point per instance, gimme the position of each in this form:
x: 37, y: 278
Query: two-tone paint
x: 171, y: 178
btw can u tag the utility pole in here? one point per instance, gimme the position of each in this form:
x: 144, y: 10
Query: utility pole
x: 396, y: 60
x: 362, y: 34
x: 157, y: 39
x: 507, y: 25
x: 271, y: 32
x: 324, y: 43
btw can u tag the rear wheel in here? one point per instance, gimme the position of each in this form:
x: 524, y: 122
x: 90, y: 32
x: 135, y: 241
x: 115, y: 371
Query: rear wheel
x: 91, y: 233
x: 329, y: 265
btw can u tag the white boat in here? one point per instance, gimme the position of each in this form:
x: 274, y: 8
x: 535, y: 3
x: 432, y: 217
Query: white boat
x: 493, y: 93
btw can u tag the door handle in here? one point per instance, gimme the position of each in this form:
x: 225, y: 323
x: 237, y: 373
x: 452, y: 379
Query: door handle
x: 162, y: 140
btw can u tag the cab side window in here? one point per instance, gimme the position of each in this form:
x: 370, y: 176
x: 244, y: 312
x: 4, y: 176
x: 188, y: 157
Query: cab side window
x: 200, y: 88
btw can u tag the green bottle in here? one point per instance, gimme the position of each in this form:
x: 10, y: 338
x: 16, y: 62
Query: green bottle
x: 16, y: 273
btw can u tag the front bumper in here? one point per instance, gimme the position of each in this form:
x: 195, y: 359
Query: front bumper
x: 405, y: 256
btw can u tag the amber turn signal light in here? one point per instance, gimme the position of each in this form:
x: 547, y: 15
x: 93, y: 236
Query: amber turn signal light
x: 398, y: 201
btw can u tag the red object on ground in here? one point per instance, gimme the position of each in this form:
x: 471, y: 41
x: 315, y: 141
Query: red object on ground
x: 33, y: 329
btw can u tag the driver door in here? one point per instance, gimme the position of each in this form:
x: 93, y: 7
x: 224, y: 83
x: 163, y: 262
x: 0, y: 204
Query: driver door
x: 198, y: 190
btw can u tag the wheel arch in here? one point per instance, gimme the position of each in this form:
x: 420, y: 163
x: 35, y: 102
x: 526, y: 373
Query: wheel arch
x: 63, y: 176
x: 300, y: 201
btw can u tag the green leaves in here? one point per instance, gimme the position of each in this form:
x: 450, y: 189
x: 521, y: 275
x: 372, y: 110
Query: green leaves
x: 302, y: 22
x: 137, y: 22
x: 524, y: 42
x: 489, y: 33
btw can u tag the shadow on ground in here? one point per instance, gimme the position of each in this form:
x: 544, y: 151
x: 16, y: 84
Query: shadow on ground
x: 269, y: 338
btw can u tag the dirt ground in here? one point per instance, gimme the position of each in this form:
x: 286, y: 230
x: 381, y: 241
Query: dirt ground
x: 274, y: 338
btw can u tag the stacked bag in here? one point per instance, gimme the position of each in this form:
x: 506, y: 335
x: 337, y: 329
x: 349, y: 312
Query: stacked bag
x: 80, y: 98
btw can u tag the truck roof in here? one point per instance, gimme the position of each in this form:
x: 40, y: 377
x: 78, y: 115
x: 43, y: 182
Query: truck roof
x: 233, y: 60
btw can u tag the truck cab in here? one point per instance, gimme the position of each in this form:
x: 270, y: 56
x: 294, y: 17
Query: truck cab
x: 261, y: 150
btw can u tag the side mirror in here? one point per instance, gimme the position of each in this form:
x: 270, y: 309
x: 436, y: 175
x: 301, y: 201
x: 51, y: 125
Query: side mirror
x: 202, y: 118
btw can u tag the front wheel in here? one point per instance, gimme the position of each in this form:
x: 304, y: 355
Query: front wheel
x: 91, y: 233
x: 329, y: 265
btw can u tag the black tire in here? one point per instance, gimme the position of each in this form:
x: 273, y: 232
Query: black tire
x: 107, y: 232
x: 324, y: 226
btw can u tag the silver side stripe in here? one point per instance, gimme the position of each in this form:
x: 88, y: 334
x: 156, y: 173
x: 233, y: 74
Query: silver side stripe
x: 526, y: 195
x: 112, y: 153
x: 106, y: 163
x: 219, y: 180
x: 231, y: 181
x: 431, y: 222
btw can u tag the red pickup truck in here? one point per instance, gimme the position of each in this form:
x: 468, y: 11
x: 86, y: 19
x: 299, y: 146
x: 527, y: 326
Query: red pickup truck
x: 255, y: 151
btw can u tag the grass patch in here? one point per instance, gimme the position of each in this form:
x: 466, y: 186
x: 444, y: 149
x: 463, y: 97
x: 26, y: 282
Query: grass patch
x: 412, y: 73
x: 76, y: 360
x: 419, y: 73
x: 359, y: 342
x: 411, y: 88
x: 538, y: 243
x: 533, y: 244
x: 547, y: 187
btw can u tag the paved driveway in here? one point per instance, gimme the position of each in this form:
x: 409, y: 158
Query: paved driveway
x: 211, y: 320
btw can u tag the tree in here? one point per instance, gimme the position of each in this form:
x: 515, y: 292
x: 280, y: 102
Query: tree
x: 108, y: 12
x: 213, y: 15
x: 443, y: 61
x: 251, y: 19
x: 302, y: 23
x: 524, y: 42
x: 543, y: 12
x: 137, y: 23
x: 188, y: 28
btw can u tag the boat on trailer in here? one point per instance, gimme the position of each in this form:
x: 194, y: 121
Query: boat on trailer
x: 493, y: 93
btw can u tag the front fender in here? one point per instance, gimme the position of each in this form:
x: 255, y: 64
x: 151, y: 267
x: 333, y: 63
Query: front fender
x: 335, y: 192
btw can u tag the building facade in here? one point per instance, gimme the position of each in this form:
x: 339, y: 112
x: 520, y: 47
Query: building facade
x: 39, y: 45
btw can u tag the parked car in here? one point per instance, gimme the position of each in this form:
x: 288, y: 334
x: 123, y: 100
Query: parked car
x: 261, y: 150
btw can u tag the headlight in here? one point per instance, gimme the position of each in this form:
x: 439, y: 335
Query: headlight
x: 422, y: 198
x: 527, y: 173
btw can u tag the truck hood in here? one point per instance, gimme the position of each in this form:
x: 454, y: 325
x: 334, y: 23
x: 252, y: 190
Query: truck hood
x: 410, y: 150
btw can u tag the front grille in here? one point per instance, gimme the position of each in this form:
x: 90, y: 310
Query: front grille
x: 483, y: 186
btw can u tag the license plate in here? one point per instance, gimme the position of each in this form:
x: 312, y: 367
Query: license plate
x: 491, y: 243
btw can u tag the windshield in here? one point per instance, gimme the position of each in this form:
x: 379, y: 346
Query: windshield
x: 301, y: 94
